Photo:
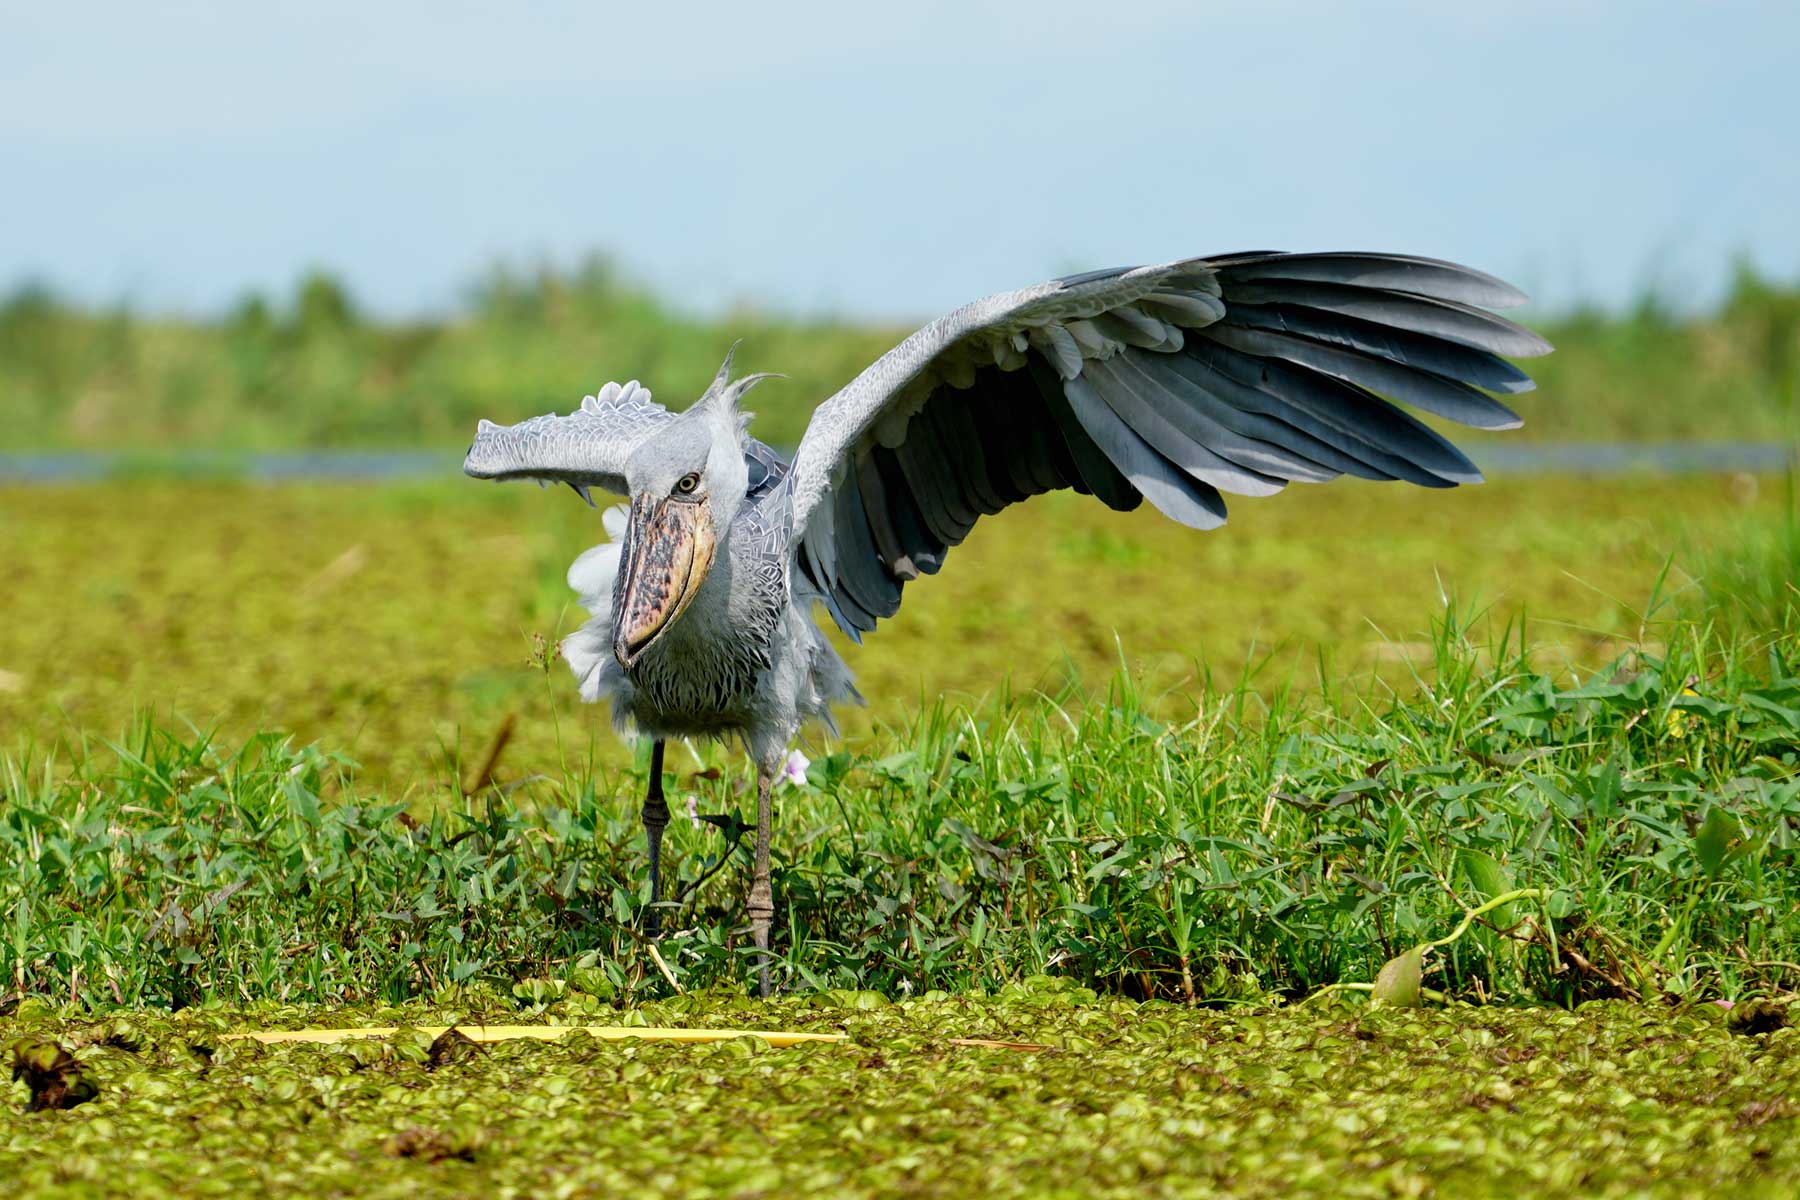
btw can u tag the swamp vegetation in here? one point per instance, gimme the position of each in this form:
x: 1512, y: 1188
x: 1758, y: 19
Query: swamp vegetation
x: 278, y: 757
x: 1128, y: 1100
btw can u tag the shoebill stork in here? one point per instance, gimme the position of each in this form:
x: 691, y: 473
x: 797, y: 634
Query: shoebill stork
x: 1174, y: 384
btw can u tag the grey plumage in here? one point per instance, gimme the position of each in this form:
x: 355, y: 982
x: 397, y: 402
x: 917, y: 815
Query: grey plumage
x: 1173, y: 383
x: 1145, y: 467
x: 587, y: 448
x: 1390, y: 272
x: 1440, y: 318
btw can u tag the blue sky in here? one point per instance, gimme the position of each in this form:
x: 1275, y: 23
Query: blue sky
x: 885, y: 161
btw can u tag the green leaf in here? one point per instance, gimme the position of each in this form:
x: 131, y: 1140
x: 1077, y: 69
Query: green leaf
x: 302, y: 802
x: 1715, y: 840
x: 1397, y: 985
x: 1485, y: 875
x: 1788, y: 715
x: 1706, y: 705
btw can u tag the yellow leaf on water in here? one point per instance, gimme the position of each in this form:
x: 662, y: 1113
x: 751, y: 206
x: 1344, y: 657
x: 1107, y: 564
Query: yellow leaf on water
x: 498, y: 1033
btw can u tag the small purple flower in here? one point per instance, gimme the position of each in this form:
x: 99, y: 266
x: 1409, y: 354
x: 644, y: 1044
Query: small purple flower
x: 794, y: 770
x: 694, y: 810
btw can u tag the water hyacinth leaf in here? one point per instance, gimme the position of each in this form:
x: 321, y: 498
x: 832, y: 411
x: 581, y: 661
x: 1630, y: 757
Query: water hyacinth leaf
x: 1652, y: 1099
x: 1398, y: 983
x: 1489, y: 879
x: 1717, y: 840
x: 592, y: 981
x: 538, y: 991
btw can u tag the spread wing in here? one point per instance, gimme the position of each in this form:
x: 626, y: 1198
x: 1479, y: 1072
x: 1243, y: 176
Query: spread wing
x: 1173, y: 383
x: 587, y: 448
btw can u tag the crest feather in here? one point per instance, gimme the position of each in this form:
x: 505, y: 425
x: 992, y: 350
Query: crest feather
x: 725, y: 392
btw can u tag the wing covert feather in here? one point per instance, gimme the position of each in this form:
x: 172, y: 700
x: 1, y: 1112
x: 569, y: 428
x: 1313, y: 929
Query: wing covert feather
x: 1171, y: 383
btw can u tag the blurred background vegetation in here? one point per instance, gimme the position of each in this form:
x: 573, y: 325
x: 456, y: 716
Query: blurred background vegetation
x: 312, y: 370
x: 397, y: 619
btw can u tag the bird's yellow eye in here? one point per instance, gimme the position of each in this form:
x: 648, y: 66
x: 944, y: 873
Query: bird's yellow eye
x: 688, y: 484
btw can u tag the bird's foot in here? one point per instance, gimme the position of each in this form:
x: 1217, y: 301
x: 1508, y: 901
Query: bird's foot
x: 762, y: 915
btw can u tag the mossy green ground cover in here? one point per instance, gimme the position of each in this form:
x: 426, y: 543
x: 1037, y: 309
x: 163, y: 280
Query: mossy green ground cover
x: 1324, y: 1099
x: 396, y: 623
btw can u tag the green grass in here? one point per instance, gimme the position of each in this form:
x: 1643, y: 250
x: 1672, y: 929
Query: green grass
x: 1253, y: 848
x: 1232, y: 816
x: 1753, y: 580
x: 1130, y: 1101
x: 312, y: 372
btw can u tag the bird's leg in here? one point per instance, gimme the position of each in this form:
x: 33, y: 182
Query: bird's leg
x: 762, y: 903
x: 656, y: 819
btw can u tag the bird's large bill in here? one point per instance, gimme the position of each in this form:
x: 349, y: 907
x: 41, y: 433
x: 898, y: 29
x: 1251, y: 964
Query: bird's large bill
x: 668, y: 547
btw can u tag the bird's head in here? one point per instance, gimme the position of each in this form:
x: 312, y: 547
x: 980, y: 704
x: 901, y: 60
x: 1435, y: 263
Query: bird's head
x: 686, y: 483
x: 686, y: 479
